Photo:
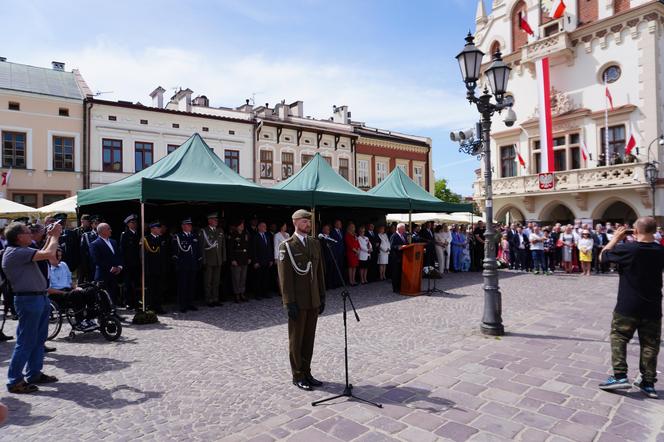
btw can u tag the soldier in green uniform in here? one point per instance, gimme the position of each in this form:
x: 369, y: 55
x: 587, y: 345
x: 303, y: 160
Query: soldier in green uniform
x: 213, y: 245
x: 302, y: 283
x: 238, y: 255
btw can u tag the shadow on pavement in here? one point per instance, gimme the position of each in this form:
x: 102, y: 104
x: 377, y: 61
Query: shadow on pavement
x: 551, y: 337
x: 19, y: 413
x: 86, y: 364
x: 92, y: 396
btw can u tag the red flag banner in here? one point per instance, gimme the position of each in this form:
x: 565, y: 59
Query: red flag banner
x: 545, y: 124
x: 631, y: 144
x: 584, y: 151
x: 523, y: 24
x: 608, y: 95
x: 557, y: 9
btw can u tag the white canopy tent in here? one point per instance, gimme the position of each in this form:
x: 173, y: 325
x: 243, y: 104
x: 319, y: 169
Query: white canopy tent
x: 10, y: 209
x: 67, y: 205
x: 460, y: 217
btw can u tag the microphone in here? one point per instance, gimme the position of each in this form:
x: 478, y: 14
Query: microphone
x: 326, y: 238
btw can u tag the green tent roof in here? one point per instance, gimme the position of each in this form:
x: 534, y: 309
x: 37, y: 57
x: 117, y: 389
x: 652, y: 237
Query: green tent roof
x: 398, y: 184
x: 193, y: 172
x: 325, y: 187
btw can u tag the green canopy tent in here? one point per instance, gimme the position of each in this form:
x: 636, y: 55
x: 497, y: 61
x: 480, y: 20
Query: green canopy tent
x: 398, y: 184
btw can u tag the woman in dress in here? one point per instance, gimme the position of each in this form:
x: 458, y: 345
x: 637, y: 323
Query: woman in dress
x: 238, y: 253
x: 458, y: 241
x: 352, y: 253
x: 279, y: 237
x: 443, y: 240
x: 365, y: 253
x: 568, y: 242
x: 383, y: 253
x: 586, y: 244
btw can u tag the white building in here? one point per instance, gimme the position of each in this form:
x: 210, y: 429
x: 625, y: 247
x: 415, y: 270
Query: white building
x: 621, y: 39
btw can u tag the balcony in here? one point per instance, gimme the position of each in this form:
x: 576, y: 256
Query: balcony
x: 558, y: 47
x: 606, y: 177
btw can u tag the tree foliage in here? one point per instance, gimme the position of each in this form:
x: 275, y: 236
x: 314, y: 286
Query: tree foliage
x: 444, y: 193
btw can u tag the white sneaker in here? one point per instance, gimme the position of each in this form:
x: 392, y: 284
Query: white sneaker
x: 89, y: 324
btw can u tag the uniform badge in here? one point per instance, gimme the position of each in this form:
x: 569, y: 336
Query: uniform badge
x: 282, y: 255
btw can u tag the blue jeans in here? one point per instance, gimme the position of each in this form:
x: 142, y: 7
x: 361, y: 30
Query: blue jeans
x: 538, y: 260
x: 33, y: 312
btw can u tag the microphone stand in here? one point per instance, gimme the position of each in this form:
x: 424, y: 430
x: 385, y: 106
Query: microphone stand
x: 345, y: 294
x: 429, y: 289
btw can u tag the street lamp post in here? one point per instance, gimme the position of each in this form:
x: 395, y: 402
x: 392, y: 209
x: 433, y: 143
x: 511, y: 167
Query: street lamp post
x: 497, y: 75
x: 652, y: 172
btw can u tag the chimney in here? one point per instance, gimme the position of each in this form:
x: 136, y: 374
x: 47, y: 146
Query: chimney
x: 201, y: 101
x: 58, y: 66
x: 340, y: 114
x: 158, y: 97
x: 3, y: 58
x: 183, y: 99
x: 281, y: 110
x: 297, y: 109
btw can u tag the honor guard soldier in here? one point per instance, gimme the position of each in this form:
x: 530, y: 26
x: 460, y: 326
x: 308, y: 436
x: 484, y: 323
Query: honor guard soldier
x: 302, y: 283
x: 187, y: 257
x: 156, y: 249
x: 86, y: 268
x: 130, y: 241
x: 213, y: 245
x: 77, y: 234
x: 238, y: 255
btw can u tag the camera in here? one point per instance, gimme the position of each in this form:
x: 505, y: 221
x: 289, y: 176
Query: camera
x: 53, y: 224
x: 510, y: 117
x: 629, y: 232
x: 462, y: 135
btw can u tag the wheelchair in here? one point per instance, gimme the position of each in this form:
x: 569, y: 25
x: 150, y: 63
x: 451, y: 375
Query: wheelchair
x: 99, y: 306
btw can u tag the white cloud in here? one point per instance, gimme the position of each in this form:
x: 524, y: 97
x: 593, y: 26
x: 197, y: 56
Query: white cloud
x: 384, y: 98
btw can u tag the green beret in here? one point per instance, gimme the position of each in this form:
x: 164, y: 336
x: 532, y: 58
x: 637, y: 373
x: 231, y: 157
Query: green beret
x: 301, y: 213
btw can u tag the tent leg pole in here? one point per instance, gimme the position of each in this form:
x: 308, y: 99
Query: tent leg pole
x: 313, y: 221
x: 143, y: 255
x: 410, y: 226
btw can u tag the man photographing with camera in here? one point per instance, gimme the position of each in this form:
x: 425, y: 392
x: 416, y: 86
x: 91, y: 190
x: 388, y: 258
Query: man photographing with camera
x: 639, y: 306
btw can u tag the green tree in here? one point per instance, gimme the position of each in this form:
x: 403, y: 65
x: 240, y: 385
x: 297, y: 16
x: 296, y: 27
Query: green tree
x: 443, y: 192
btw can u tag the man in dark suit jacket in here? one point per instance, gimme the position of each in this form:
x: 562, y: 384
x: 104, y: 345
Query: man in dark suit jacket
x: 521, y: 245
x: 426, y: 237
x: 338, y: 249
x: 262, y: 259
x: 106, y: 258
x: 398, y: 240
x: 600, y: 239
x: 511, y: 234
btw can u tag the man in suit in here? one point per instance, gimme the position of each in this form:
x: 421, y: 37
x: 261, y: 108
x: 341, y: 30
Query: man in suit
x: 130, y: 241
x: 521, y: 245
x: 426, y: 237
x: 398, y: 240
x: 262, y: 259
x: 338, y: 250
x: 86, y: 270
x: 213, y: 243
x: 156, y: 253
x: 600, y: 240
x: 511, y: 234
x: 106, y: 258
x: 302, y: 283
x: 187, y: 257
x: 374, y: 240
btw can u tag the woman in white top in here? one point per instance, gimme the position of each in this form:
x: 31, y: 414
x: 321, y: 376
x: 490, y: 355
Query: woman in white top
x: 383, y: 253
x: 365, y: 251
x: 443, y: 239
x: 279, y: 237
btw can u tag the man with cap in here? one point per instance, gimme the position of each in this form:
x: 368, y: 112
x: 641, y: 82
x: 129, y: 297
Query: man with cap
x: 213, y: 244
x: 130, y: 241
x: 156, y: 248
x: 302, y: 283
x: 187, y: 257
x: 86, y: 269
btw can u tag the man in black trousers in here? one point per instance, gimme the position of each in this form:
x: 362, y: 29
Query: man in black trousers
x: 262, y: 259
x: 398, y: 240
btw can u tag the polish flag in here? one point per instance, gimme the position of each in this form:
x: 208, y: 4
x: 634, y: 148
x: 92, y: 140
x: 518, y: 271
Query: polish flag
x: 631, y: 144
x: 608, y: 95
x: 523, y: 24
x: 520, y: 158
x: 6, y: 176
x: 545, y: 125
x: 557, y: 9
x: 584, y: 151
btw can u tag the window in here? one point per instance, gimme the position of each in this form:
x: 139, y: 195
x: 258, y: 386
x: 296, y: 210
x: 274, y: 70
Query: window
x: 418, y: 172
x: 232, y: 159
x: 28, y: 199
x: 63, y: 112
x: 611, y: 74
x: 266, y: 164
x: 403, y: 167
x: 381, y: 171
x: 112, y: 118
x: 170, y: 148
x: 559, y: 160
x: 206, y: 129
x: 112, y: 155
x: 15, y: 106
x: 575, y: 157
x: 231, y: 132
x: 176, y: 126
x: 507, y: 161
x: 495, y: 47
x: 343, y: 168
x: 566, y: 153
x: 519, y: 36
x: 142, y: 155
x: 616, y: 140
x: 328, y: 160
x: 144, y: 121
x: 63, y: 153
x: 306, y: 158
x: 13, y: 149
x: 50, y: 198
x: 363, y: 173
x: 287, y: 164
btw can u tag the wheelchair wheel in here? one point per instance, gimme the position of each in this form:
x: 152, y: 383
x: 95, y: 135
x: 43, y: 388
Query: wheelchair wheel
x: 54, y: 321
x: 110, y: 327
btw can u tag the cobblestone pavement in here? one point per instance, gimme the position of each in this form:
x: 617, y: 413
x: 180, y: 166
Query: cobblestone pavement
x: 223, y: 373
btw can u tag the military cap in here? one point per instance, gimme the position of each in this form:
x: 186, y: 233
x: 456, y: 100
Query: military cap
x: 155, y: 223
x: 301, y: 213
x: 23, y: 219
x: 97, y: 218
x: 85, y: 217
x: 213, y: 215
x: 186, y: 221
x: 130, y: 218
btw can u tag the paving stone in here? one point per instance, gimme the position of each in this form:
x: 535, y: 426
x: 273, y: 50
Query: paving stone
x: 556, y: 411
x: 576, y: 432
x: 500, y: 410
x: 592, y: 420
x: 342, y: 428
x: 495, y: 425
x: 425, y: 421
x: 386, y: 424
x: 532, y: 435
x: 455, y: 431
x: 534, y: 420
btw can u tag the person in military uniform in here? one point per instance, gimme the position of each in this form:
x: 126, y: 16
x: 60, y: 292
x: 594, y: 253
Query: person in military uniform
x: 187, y: 257
x: 238, y: 255
x: 302, y: 283
x: 130, y: 241
x: 156, y: 248
x: 213, y: 245
x: 75, y: 237
x: 86, y: 271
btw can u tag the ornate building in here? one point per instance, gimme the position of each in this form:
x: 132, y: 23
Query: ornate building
x: 617, y: 40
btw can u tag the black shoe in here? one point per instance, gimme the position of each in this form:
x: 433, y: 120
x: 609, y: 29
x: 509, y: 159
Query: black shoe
x: 4, y: 337
x: 192, y: 307
x: 303, y: 384
x: 211, y: 304
x: 49, y: 349
x: 183, y: 310
x: 313, y: 381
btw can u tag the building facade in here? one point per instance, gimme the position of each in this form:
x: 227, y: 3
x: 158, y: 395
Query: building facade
x: 617, y: 41
x: 41, y: 126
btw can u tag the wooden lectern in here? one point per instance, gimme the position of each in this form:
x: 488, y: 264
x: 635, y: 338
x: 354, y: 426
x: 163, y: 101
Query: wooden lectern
x: 411, y: 268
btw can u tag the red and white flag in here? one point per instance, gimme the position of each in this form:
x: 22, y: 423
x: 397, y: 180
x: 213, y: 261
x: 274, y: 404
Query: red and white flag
x: 631, y: 144
x: 557, y: 9
x: 545, y: 125
x: 523, y: 24
x: 584, y: 151
x: 6, y: 176
x: 520, y: 158
x: 608, y: 95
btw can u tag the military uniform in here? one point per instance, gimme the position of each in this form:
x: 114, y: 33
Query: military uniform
x: 213, y: 247
x: 238, y: 252
x: 130, y: 241
x: 86, y: 271
x: 156, y: 250
x: 302, y: 284
x: 187, y: 257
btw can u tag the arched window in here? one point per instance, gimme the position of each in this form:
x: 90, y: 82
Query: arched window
x: 495, y: 47
x: 519, y: 36
x: 587, y: 11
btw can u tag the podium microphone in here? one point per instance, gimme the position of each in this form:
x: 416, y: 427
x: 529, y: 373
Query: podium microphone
x: 326, y: 238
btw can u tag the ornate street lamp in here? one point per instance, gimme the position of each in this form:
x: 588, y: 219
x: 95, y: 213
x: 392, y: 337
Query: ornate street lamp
x: 497, y: 75
x: 651, y: 175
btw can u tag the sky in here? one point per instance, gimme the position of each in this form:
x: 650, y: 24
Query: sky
x: 391, y: 61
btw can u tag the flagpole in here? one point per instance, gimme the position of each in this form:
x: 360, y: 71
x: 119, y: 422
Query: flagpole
x: 606, y: 123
